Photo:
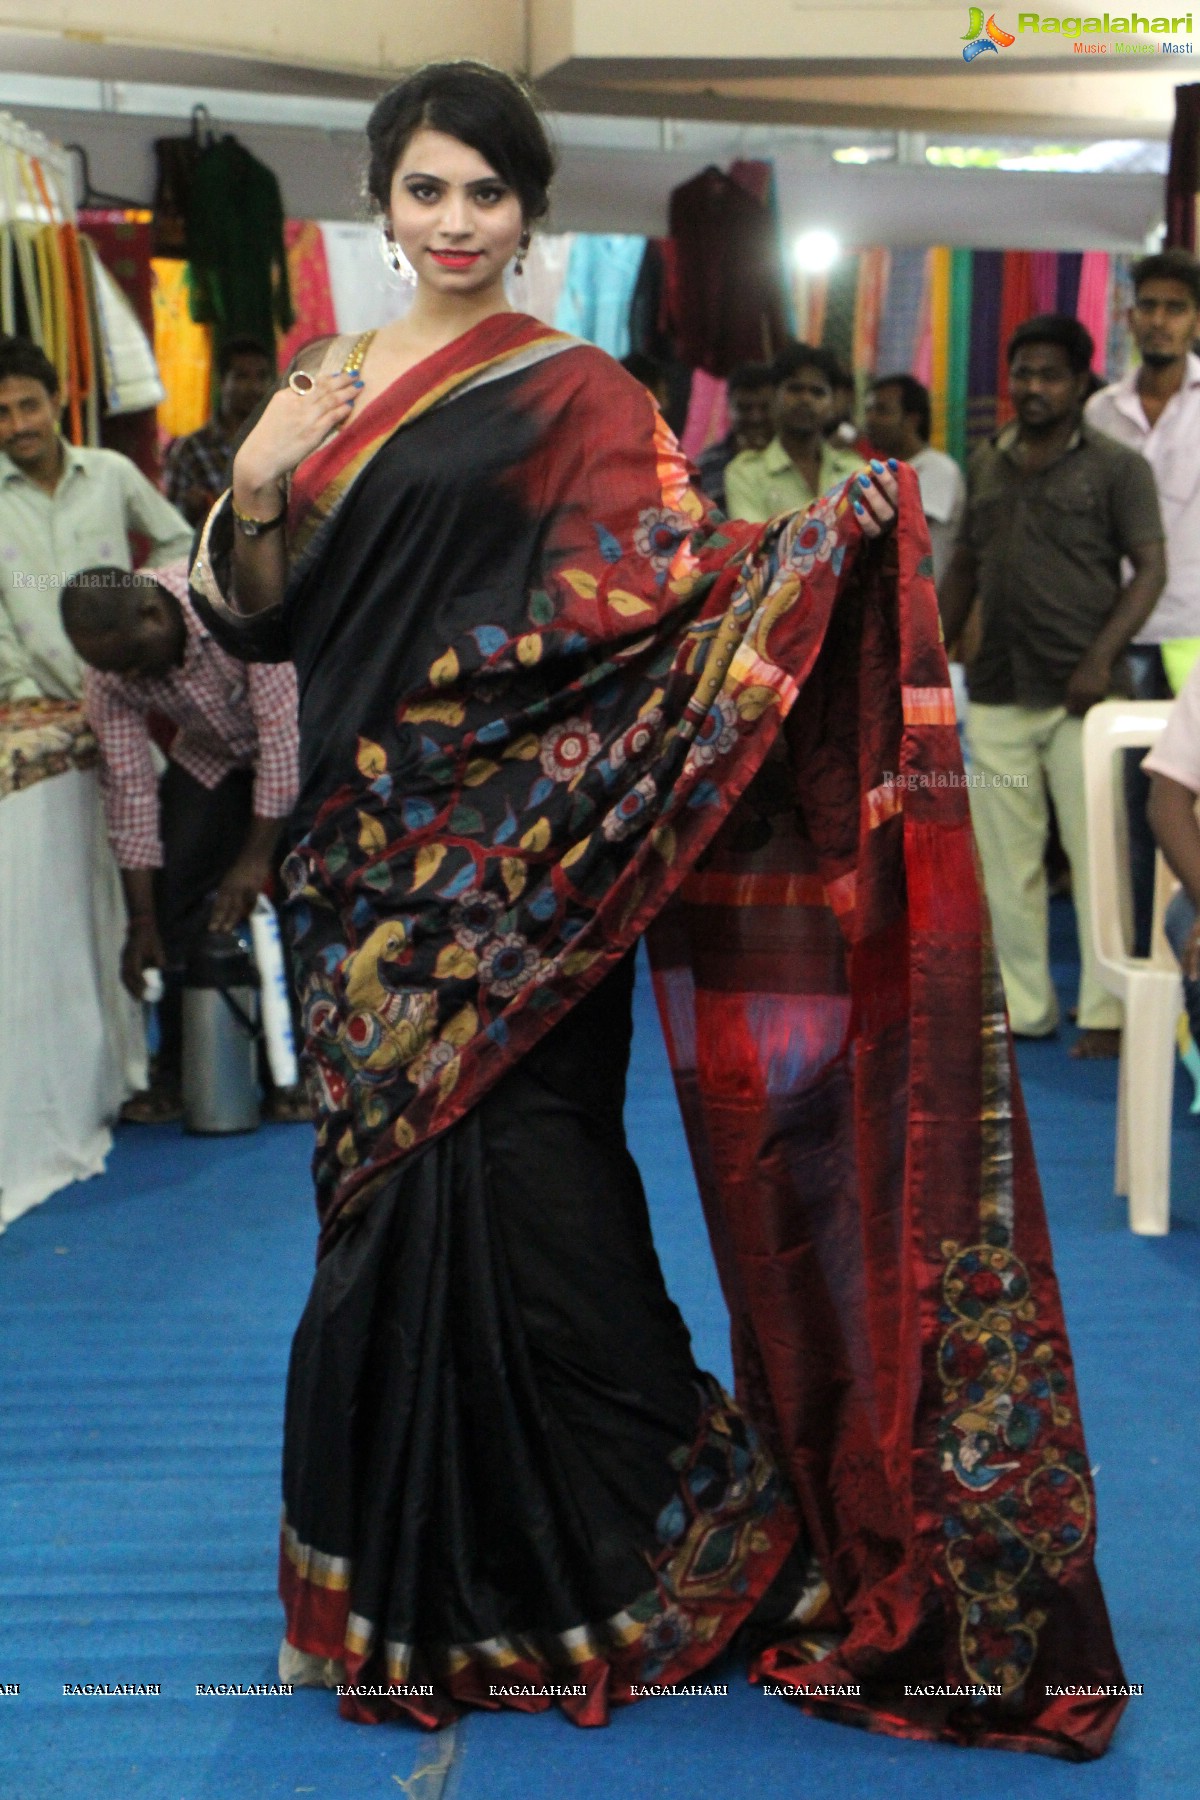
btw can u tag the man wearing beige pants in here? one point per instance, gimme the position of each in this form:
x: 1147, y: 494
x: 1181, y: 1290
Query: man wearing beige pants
x: 1053, y: 507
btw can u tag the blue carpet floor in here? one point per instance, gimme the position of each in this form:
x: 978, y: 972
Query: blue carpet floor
x: 145, y: 1318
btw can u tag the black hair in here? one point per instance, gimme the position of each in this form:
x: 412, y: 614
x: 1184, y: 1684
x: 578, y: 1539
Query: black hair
x: 480, y: 106
x: 914, y: 399
x: 749, y: 376
x: 100, y: 602
x: 1060, y: 329
x: 20, y: 356
x: 1168, y: 265
x: 234, y: 347
x: 795, y: 357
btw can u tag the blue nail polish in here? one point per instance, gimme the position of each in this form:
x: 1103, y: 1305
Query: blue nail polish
x: 893, y: 464
x: 877, y: 466
x: 864, y: 481
x: 859, y: 507
x: 360, y: 384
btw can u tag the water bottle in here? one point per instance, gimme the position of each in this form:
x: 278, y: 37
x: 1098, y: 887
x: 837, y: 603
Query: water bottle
x: 276, y: 1007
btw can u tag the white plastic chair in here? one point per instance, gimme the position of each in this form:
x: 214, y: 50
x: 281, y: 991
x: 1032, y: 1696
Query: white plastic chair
x: 1150, y: 988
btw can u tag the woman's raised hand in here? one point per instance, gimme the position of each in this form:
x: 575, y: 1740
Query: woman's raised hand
x: 874, y: 499
x: 291, y: 427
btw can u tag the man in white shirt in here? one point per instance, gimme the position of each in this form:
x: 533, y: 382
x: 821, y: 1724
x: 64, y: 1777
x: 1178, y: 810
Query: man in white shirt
x: 1156, y: 409
x: 897, y: 420
x: 62, y: 509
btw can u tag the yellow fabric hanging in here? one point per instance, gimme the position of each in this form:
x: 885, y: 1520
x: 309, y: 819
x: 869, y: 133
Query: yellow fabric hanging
x: 182, y: 350
x: 940, y: 268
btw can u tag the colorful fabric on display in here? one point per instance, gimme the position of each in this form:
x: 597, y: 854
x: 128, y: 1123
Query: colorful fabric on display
x: 809, y: 294
x: 708, y: 414
x: 983, y: 369
x: 124, y: 242
x: 182, y: 349
x: 1043, y: 280
x: 235, y: 248
x: 41, y: 738
x: 1016, y: 304
x: 498, y: 798
x: 901, y: 316
x: 602, y: 273
x: 725, y: 292
x: 1066, y: 290
x: 538, y: 288
x: 869, y: 303
x: 308, y: 283
x: 129, y: 374
x: 366, y: 291
x: 958, y: 359
x: 940, y: 267
x: 1092, y: 307
x: 1120, y: 340
x: 841, y: 300
x: 923, y: 350
x: 1183, y: 170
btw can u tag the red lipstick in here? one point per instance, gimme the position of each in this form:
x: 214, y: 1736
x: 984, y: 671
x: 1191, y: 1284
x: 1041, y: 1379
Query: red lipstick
x: 456, y: 259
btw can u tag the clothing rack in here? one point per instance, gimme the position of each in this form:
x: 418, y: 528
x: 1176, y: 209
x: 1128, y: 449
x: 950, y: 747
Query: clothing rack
x: 22, y: 196
x: 44, y: 284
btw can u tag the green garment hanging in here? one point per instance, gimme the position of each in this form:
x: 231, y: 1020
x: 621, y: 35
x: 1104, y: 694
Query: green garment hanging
x: 235, y: 246
x: 961, y: 278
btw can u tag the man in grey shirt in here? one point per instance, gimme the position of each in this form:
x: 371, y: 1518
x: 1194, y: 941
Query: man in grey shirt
x: 62, y: 509
x: 1053, y: 506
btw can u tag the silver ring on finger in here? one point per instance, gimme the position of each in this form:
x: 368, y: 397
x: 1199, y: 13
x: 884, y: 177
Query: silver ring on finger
x: 301, y: 382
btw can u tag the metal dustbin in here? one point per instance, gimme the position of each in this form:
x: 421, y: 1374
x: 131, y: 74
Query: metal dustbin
x: 220, y: 1037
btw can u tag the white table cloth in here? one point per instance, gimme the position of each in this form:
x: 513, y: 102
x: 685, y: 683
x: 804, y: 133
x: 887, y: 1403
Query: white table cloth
x: 72, y: 1043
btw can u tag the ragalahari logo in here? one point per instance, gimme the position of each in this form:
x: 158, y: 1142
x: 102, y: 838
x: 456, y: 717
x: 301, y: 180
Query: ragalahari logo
x: 984, y: 37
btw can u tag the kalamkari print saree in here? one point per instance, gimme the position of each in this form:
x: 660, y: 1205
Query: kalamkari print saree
x: 552, y: 702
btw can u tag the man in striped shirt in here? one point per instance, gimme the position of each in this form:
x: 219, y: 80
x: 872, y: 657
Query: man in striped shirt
x: 196, y: 847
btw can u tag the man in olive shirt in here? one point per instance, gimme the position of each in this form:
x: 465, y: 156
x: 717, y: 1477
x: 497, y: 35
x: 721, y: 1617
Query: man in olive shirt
x: 1053, y: 506
x: 62, y: 509
x: 799, y: 463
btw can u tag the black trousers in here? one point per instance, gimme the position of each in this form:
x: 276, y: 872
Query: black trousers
x: 203, y: 830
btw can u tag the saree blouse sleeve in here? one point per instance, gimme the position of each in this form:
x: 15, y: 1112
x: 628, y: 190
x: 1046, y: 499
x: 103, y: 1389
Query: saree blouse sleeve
x: 253, y: 637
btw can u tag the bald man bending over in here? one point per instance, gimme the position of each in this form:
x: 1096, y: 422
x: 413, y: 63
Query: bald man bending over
x: 197, y: 847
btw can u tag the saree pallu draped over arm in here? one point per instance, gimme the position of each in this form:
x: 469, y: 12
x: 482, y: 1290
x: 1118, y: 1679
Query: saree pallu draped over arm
x: 550, y: 700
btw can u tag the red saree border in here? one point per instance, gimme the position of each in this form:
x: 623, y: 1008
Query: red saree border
x: 323, y: 478
x: 704, y: 1582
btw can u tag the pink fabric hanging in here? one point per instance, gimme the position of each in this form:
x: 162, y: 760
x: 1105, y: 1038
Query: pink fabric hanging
x: 308, y: 279
x: 708, y: 413
x: 1044, y: 280
x: 922, y: 363
x: 1092, y: 306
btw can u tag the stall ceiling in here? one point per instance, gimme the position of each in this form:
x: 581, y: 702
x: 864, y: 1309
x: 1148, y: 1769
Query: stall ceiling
x: 295, y: 81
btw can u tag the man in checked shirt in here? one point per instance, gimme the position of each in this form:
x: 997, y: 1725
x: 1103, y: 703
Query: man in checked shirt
x: 196, y: 848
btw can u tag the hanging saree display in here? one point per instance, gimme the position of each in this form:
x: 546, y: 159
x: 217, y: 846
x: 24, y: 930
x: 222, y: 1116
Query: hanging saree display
x: 550, y: 701
x: 45, y: 290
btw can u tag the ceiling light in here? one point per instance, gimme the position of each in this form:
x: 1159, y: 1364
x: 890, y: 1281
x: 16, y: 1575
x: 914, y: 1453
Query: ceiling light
x: 816, y: 251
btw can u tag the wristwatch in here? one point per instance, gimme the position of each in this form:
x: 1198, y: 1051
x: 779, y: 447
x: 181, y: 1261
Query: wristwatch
x: 253, y: 528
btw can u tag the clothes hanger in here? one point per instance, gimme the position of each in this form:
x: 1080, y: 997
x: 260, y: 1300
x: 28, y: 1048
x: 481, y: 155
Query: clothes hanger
x: 202, y: 128
x: 96, y: 196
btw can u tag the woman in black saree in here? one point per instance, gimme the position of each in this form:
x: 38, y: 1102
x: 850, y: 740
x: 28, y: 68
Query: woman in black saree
x: 538, y: 673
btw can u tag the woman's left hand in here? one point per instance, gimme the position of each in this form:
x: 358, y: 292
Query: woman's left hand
x: 874, y: 499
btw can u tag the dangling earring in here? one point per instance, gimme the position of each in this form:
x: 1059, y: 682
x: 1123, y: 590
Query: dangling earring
x: 522, y: 253
x: 389, y: 249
